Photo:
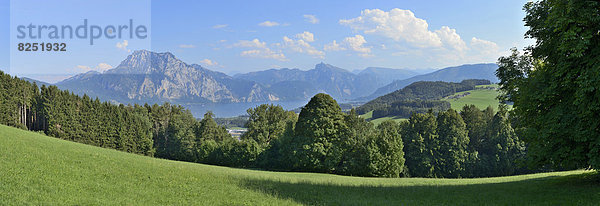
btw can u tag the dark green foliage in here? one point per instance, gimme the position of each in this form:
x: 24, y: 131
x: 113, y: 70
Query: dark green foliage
x: 504, y: 149
x: 174, y: 137
x: 476, y: 122
x: 481, y: 145
x: 420, y: 142
x: 266, y: 123
x: 555, y: 84
x: 326, y: 140
x: 451, y: 151
x: 320, y: 131
x: 207, y: 129
x: 405, y: 108
x: 360, y: 147
x: 475, y: 82
x: 386, y: 154
x: 18, y: 101
x: 67, y: 116
x: 280, y: 154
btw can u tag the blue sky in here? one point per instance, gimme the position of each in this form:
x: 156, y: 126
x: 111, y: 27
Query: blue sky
x: 244, y: 36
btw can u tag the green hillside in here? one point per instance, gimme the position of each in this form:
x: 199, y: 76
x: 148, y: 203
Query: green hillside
x: 481, y: 97
x: 369, y: 115
x: 36, y: 169
x: 380, y: 120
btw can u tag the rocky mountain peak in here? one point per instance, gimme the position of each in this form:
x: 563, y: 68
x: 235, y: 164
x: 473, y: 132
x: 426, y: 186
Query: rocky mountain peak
x: 147, y: 62
x: 328, y: 68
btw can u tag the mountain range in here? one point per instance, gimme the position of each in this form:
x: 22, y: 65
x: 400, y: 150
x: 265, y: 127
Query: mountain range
x: 146, y: 76
x: 157, y: 77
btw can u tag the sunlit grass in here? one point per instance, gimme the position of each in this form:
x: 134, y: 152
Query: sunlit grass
x: 40, y: 170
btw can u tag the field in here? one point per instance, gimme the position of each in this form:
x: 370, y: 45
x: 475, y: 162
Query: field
x: 40, y: 170
x: 367, y: 115
x: 479, y: 97
x: 378, y: 121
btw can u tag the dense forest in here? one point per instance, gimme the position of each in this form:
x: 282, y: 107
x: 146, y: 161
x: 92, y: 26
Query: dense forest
x: 322, y: 138
x: 418, y: 97
x: 405, y: 108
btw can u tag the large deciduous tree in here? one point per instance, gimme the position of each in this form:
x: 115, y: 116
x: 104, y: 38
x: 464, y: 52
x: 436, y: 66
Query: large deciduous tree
x: 266, y: 123
x: 320, y: 131
x: 555, y: 86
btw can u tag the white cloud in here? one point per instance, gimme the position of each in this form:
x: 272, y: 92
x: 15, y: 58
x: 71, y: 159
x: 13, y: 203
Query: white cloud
x: 187, y: 46
x: 483, y: 45
x: 209, y: 62
x: 306, y: 36
x: 356, y: 43
x: 264, y: 53
x: 411, y: 38
x: 123, y: 45
x: 397, y: 24
x: 484, y: 50
x: 301, y: 44
x: 333, y: 46
x: 254, y: 43
x: 220, y: 26
x: 451, y: 39
x: 311, y: 19
x: 261, y: 51
x: 269, y: 23
x: 102, y: 67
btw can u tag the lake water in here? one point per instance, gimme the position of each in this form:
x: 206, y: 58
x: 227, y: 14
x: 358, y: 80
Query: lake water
x: 236, y: 109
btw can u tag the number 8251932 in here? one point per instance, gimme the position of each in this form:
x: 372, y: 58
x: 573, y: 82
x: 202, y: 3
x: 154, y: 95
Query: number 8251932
x: 42, y: 46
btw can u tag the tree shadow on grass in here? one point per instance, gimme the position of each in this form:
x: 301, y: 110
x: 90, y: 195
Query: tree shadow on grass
x: 582, y: 189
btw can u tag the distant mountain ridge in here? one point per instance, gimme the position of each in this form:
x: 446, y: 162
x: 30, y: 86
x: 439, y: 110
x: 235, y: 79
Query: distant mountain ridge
x: 337, y: 82
x: 151, y: 77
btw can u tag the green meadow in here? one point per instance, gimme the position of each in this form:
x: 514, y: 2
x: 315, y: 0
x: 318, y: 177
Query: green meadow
x: 480, y: 97
x: 40, y: 170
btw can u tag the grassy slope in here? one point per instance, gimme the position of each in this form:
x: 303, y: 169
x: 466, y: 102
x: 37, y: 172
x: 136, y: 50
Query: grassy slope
x: 481, y: 98
x: 367, y: 115
x: 36, y: 169
x: 378, y: 121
